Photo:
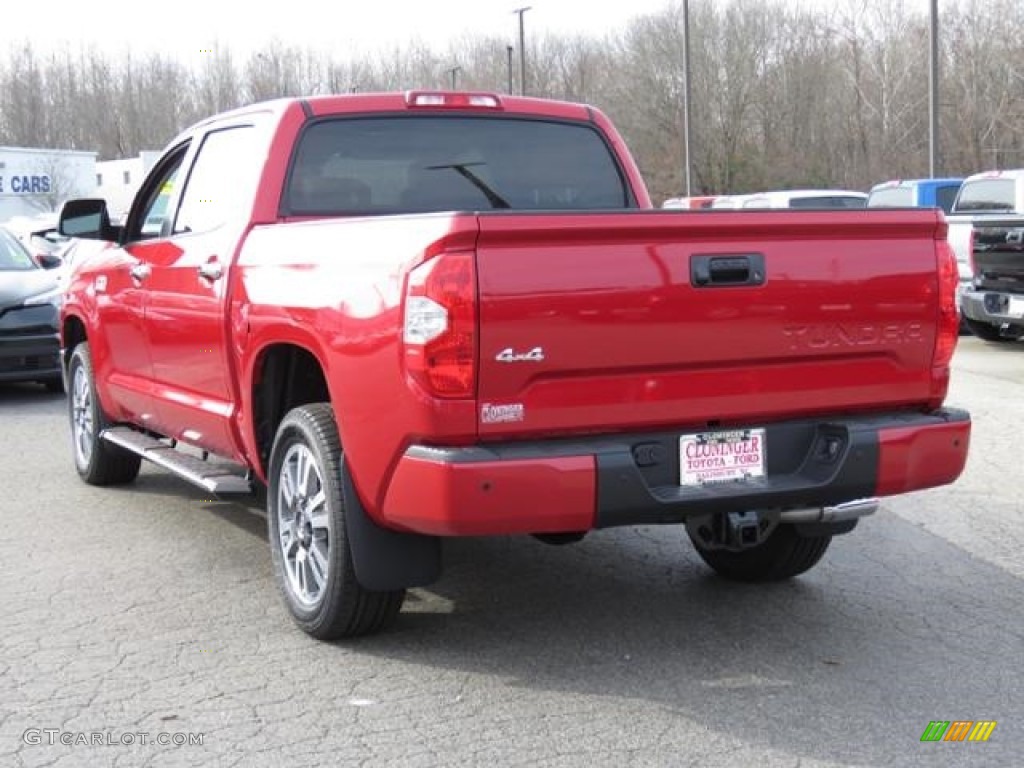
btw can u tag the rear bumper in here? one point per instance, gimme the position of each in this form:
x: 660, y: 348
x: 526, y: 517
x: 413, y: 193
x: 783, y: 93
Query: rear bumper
x: 991, y: 307
x: 578, y: 485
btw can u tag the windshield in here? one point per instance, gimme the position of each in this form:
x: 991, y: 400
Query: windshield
x: 13, y: 256
x: 986, y: 195
x: 431, y: 163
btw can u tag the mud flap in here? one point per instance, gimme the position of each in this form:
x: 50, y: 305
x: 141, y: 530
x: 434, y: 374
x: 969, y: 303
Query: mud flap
x: 386, y: 560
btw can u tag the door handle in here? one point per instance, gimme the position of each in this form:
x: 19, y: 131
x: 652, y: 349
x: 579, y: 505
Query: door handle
x: 211, y: 270
x: 140, y: 271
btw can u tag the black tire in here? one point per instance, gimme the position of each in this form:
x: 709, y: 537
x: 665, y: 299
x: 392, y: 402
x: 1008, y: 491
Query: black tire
x: 319, y: 587
x: 989, y: 332
x: 782, y: 555
x: 97, y: 461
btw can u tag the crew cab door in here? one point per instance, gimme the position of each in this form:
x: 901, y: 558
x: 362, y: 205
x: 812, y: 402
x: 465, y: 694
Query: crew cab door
x: 121, y: 295
x: 187, y: 288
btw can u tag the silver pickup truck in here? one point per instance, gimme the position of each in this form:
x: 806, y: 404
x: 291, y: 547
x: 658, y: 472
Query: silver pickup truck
x: 993, y: 304
x: 996, y: 199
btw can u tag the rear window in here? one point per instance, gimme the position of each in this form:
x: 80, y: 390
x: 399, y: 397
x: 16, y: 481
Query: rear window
x: 891, y: 197
x: 986, y: 195
x: 381, y: 165
x: 827, y: 201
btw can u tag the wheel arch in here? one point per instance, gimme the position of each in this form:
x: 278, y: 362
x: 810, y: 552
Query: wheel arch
x: 284, y: 376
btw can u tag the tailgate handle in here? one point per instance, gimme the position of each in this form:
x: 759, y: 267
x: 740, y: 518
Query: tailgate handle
x: 727, y: 269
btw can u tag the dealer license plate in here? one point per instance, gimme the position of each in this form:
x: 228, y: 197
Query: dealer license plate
x: 721, y: 457
x: 1016, y: 307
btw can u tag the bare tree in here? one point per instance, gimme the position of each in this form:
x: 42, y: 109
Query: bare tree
x: 782, y: 96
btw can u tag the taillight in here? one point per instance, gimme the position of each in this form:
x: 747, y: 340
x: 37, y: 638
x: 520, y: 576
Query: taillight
x: 439, y: 325
x: 948, y: 329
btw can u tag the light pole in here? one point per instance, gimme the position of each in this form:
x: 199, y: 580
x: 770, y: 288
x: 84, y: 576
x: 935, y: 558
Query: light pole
x: 686, y: 97
x: 933, y: 91
x: 454, y: 73
x: 522, y: 50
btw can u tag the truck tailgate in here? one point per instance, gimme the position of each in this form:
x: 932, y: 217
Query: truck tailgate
x: 607, y: 321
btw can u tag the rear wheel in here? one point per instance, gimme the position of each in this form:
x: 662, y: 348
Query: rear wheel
x: 97, y: 461
x: 308, y: 539
x: 782, y: 555
x: 989, y: 332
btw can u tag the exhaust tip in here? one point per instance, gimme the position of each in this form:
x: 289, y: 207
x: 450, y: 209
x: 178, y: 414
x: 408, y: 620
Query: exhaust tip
x: 838, y: 513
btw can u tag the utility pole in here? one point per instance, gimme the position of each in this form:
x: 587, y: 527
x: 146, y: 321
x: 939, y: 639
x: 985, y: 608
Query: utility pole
x: 510, y: 49
x: 454, y: 74
x: 686, y: 97
x: 933, y: 91
x: 522, y: 50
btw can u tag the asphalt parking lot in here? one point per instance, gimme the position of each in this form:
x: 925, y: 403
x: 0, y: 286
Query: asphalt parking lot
x: 137, y: 620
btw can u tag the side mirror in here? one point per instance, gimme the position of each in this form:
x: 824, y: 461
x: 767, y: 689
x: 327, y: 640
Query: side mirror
x: 49, y: 261
x: 86, y: 218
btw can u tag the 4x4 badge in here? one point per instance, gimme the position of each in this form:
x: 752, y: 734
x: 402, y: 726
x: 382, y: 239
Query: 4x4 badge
x: 509, y: 355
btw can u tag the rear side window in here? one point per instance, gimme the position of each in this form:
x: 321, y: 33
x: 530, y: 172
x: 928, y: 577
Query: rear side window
x: 944, y: 197
x: 986, y: 195
x: 381, y: 165
x: 891, y: 197
x: 222, y: 176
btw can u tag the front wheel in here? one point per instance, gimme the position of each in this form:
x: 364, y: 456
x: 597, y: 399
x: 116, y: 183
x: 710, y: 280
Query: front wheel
x: 98, y: 462
x: 989, y: 332
x: 308, y: 539
x: 782, y: 555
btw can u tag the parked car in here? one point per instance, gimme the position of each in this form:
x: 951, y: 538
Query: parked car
x: 40, y: 236
x: 915, y: 193
x: 805, y: 198
x: 984, y: 198
x: 690, y: 203
x: 29, y: 307
x: 993, y: 303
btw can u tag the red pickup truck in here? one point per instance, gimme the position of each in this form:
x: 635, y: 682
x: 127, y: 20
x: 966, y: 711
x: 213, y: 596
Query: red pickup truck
x: 413, y: 316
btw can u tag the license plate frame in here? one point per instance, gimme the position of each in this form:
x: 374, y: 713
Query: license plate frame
x: 722, y: 456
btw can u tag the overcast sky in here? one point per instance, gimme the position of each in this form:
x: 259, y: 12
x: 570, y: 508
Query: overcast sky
x: 185, y: 28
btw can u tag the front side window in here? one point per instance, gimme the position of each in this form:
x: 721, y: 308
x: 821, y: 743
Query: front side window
x: 443, y: 163
x: 150, y: 211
